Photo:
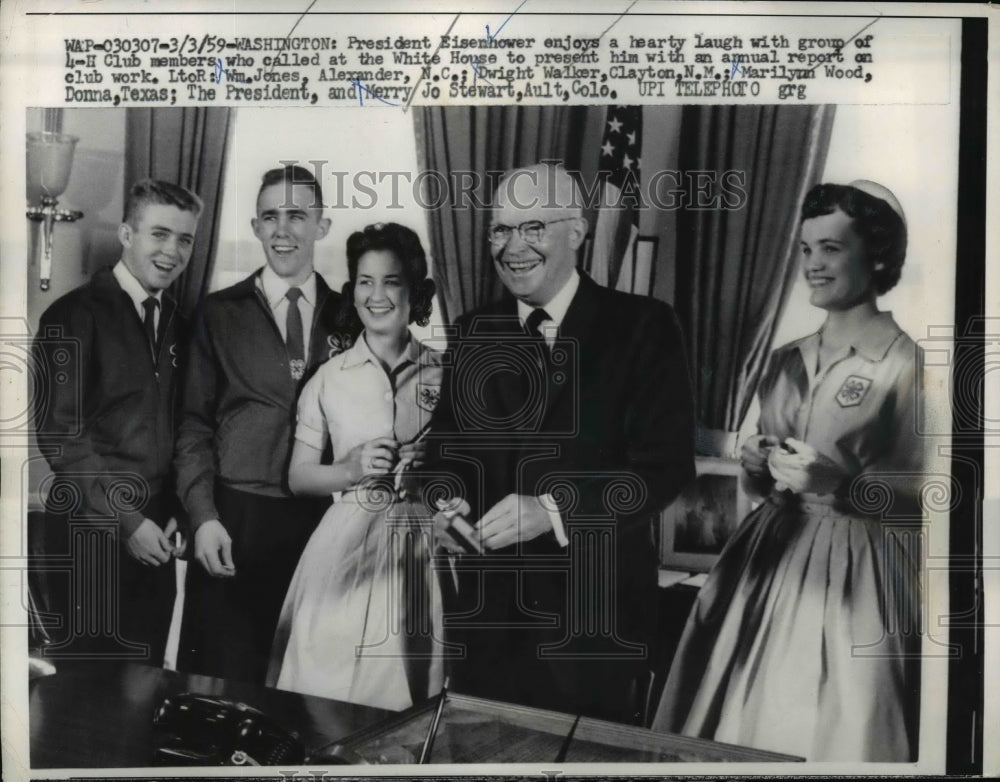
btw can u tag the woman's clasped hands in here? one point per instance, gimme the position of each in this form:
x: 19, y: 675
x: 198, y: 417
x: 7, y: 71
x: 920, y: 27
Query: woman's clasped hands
x: 382, y: 456
x: 373, y: 458
x: 798, y: 467
x: 792, y: 464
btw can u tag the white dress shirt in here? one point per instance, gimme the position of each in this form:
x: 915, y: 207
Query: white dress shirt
x: 556, y: 309
x: 137, y: 293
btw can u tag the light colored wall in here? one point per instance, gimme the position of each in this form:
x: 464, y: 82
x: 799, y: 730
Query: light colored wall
x: 96, y: 187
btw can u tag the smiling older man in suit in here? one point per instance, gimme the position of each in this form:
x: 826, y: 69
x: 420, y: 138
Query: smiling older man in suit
x: 566, y: 425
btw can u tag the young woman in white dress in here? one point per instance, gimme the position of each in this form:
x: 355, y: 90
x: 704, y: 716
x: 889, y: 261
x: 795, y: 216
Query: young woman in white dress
x: 362, y: 616
x: 806, y: 635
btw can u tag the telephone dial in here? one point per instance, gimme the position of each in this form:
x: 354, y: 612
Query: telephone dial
x: 200, y: 730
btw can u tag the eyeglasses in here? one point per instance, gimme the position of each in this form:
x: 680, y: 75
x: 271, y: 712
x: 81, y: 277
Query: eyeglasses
x: 532, y: 231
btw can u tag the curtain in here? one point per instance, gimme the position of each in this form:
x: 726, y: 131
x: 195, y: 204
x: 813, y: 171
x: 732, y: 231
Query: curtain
x: 736, y: 266
x: 187, y: 147
x: 471, y: 147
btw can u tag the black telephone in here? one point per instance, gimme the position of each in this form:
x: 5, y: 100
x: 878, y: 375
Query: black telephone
x: 200, y: 730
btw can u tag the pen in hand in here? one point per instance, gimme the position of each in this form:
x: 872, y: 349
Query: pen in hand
x: 401, y: 465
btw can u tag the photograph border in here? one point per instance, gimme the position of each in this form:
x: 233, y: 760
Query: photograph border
x: 686, y: 560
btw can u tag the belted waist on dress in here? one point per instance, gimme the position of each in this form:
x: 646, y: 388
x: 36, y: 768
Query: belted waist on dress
x: 810, y: 502
x: 822, y: 505
x: 376, y: 494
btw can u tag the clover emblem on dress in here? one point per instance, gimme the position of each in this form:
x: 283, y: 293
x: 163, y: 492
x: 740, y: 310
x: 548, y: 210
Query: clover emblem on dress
x: 338, y: 343
x: 428, y: 396
x: 853, y: 391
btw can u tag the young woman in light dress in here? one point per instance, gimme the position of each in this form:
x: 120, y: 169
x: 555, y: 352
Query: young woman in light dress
x: 363, y: 611
x: 805, y: 637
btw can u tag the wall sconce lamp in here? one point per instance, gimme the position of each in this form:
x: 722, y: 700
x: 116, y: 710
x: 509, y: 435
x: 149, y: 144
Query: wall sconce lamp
x: 50, y: 158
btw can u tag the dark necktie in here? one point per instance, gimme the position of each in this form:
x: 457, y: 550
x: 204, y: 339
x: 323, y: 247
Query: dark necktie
x: 149, y: 306
x: 293, y: 334
x: 538, y: 350
x: 533, y: 325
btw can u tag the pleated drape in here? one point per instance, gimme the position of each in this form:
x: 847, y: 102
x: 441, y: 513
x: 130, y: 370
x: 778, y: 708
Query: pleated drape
x: 736, y: 266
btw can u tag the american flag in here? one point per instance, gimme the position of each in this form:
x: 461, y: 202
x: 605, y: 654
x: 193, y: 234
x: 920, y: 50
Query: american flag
x: 611, y: 260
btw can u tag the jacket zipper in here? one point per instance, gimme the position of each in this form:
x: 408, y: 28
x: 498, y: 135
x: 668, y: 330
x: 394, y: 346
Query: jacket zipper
x: 158, y: 348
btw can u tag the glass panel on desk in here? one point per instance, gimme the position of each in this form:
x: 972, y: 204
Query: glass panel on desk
x: 474, y: 730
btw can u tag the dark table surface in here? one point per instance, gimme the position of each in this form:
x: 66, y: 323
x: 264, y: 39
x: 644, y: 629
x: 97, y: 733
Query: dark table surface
x: 99, y: 715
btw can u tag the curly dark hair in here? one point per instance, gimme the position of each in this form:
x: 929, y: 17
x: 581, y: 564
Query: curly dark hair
x: 405, y: 245
x: 879, y: 225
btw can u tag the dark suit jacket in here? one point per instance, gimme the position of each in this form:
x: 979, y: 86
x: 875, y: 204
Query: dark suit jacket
x: 606, y: 429
x: 105, y: 401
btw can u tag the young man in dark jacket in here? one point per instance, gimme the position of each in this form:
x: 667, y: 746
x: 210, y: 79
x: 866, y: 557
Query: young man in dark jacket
x: 105, y: 415
x: 254, y: 346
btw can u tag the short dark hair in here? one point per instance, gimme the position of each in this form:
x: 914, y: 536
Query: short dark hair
x: 156, y: 191
x: 403, y: 243
x: 879, y: 225
x: 293, y: 175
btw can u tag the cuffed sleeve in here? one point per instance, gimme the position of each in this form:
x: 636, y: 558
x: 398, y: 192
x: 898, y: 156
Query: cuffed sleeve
x: 555, y: 517
x: 311, y: 423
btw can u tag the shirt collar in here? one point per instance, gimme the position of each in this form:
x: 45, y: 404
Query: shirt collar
x: 558, y: 306
x: 359, y: 353
x: 275, y: 288
x: 872, y: 344
x: 132, y: 286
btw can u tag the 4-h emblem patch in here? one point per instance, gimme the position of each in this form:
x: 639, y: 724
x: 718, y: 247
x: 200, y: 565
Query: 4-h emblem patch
x: 853, y: 391
x: 338, y: 343
x: 428, y: 396
x: 297, y: 367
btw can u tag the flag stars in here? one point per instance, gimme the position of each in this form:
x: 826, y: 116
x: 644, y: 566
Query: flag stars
x: 621, y: 144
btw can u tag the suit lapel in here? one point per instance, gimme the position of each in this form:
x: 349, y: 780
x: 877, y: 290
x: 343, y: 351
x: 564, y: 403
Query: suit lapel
x: 511, y: 378
x: 504, y: 336
x: 574, y: 333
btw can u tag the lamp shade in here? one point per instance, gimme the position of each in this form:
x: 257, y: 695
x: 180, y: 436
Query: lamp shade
x: 50, y: 159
